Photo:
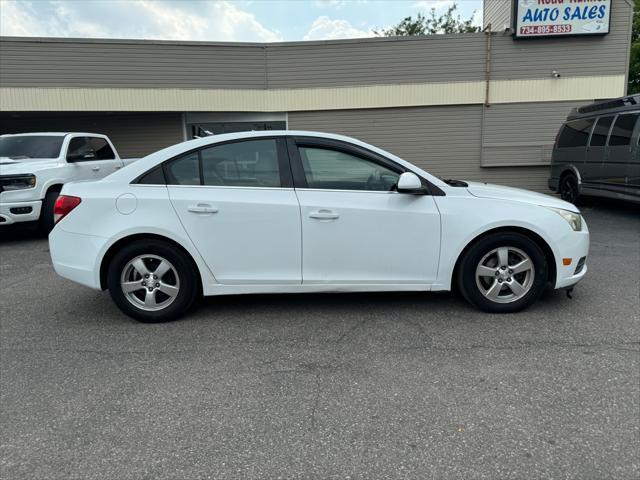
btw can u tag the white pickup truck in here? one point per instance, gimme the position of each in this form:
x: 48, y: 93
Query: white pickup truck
x: 34, y: 166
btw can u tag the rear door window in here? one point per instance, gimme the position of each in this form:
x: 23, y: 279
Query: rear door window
x: 623, y: 129
x: 249, y: 163
x: 601, y: 131
x: 102, y: 149
x: 575, y: 133
x: 80, y: 150
x: 184, y: 170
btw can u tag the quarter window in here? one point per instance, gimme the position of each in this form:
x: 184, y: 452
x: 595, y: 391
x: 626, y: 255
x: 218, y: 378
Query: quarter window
x: 575, y: 133
x: 332, y: 169
x: 153, y: 177
x: 601, y: 131
x: 623, y: 130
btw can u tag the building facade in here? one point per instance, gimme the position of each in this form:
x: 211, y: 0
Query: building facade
x: 477, y: 106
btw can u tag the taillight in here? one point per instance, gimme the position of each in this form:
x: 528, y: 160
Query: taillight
x: 63, y: 206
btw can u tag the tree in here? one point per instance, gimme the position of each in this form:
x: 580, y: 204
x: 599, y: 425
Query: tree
x: 449, y: 22
x: 634, y: 60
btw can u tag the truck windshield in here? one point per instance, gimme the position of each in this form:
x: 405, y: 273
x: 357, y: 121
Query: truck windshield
x: 24, y: 147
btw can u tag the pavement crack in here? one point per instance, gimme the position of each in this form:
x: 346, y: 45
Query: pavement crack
x: 349, y: 331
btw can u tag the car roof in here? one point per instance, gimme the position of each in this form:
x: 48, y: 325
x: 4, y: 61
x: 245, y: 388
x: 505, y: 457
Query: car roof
x: 150, y: 161
x: 51, y: 134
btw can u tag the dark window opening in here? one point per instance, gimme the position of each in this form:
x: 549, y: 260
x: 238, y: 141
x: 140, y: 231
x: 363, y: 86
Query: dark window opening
x: 575, y: 134
x: 623, y: 130
x: 153, y: 177
x: 601, y: 131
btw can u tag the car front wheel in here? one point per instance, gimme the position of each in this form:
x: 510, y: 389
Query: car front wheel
x: 152, y: 281
x: 503, y: 273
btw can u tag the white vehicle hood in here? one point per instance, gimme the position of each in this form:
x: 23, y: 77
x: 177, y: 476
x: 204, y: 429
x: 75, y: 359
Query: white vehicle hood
x: 10, y: 166
x: 487, y: 190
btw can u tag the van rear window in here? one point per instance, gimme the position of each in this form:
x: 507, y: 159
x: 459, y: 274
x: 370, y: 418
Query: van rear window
x: 575, y: 133
x: 623, y: 130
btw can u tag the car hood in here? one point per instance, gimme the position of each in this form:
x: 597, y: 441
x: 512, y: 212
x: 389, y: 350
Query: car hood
x: 10, y: 166
x: 487, y: 190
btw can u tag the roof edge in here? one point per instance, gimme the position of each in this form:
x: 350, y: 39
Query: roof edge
x: 134, y: 41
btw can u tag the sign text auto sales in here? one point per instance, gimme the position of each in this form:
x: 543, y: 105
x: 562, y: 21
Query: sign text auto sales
x: 551, y: 18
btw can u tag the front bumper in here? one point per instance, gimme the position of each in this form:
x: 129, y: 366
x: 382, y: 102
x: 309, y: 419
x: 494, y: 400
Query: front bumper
x: 16, y: 212
x: 76, y: 256
x: 574, y: 246
x: 554, y: 184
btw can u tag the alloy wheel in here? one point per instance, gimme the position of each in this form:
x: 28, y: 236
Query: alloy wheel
x: 150, y: 282
x: 505, y: 275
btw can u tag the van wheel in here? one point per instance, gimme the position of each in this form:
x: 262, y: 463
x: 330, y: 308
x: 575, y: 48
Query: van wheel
x: 569, y: 191
x: 152, y: 281
x: 503, y: 273
x: 45, y: 222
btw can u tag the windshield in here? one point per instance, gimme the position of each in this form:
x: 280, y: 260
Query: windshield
x: 30, y: 146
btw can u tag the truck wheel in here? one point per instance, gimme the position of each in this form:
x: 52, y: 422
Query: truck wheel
x: 45, y: 222
x: 152, y: 281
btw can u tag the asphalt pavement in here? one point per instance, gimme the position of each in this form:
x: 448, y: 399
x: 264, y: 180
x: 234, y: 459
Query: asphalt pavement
x: 323, y: 386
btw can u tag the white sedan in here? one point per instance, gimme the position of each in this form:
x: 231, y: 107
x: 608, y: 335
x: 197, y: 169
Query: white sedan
x: 293, y: 211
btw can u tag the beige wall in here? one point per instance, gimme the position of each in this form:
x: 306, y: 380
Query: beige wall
x: 446, y: 140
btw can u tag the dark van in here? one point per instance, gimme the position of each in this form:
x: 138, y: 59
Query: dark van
x: 596, y: 151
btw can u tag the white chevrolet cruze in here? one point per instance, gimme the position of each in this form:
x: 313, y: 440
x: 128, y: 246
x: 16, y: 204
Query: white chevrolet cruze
x: 293, y: 211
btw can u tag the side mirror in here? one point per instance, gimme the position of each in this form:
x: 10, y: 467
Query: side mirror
x: 81, y: 156
x: 409, y: 182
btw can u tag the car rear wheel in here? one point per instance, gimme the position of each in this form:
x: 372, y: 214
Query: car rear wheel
x: 152, y: 281
x: 569, y: 190
x: 503, y: 273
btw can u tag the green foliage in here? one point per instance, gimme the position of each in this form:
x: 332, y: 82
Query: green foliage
x: 634, y: 60
x: 449, y: 22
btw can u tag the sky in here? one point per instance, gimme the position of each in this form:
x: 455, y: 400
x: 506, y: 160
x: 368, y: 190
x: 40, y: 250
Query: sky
x: 219, y: 20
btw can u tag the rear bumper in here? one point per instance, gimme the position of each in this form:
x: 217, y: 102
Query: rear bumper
x: 17, y: 212
x: 76, y: 256
x: 553, y: 183
x: 574, y: 246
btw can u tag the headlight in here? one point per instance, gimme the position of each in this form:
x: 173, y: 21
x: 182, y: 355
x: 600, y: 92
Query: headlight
x: 573, y: 219
x: 17, y: 182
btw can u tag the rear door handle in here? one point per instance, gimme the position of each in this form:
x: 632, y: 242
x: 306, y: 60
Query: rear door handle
x: 95, y: 169
x: 202, y: 208
x: 324, y: 214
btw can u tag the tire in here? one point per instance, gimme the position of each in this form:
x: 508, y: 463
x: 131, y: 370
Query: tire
x: 46, y: 222
x: 510, y: 289
x: 174, y: 290
x: 568, y: 188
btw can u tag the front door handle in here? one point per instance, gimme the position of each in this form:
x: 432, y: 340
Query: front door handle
x: 324, y: 214
x: 95, y: 169
x: 202, y: 208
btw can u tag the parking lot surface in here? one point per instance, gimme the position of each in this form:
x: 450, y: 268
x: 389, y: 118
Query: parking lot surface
x: 324, y: 386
